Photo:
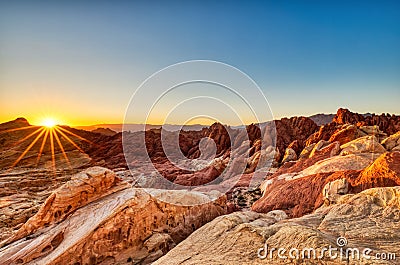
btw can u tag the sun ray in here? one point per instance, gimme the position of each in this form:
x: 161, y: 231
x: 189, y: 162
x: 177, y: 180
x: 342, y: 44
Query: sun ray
x: 53, y: 157
x: 73, y: 134
x: 54, y: 134
x: 27, y: 149
x: 42, y: 146
x: 19, y: 129
x: 69, y: 140
x: 28, y: 136
x: 62, y: 148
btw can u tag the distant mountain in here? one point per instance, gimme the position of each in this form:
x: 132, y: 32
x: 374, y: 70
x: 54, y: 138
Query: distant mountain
x: 105, y: 131
x: 322, y: 119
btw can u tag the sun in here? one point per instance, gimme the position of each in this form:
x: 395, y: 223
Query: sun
x: 49, y: 122
x: 51, y: 134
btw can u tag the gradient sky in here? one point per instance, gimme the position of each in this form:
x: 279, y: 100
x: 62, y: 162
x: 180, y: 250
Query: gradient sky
x: 80, y: 61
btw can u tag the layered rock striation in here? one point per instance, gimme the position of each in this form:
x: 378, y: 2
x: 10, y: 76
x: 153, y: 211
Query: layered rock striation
x: 97, y: 218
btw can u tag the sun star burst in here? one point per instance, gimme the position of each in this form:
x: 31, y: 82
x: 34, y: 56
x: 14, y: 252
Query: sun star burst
x: 53, y: 135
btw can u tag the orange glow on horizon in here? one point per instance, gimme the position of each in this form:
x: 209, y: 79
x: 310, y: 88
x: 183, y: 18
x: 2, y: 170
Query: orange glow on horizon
x: 60, y: 120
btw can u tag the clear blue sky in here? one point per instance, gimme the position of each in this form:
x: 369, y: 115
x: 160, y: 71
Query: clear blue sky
x: 82, y: 60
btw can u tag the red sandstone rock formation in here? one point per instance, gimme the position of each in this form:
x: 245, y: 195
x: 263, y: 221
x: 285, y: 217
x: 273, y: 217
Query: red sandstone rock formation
x: 293, y: 129
x: 344, y: 135
x: 324, y: 133
x: 303, y: 195
x: 384, y: 172
x: 200, y: 177
x: 296, y: 146
x: 96, y: 219
x: 344, y: 116
x: 389, y: 124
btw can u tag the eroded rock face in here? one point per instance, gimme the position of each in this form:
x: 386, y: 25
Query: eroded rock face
x: 113, y: 223
x: 299, y: 193
x: 347, y: 126
x: 82, y: 189
x: 392, y: 142
x: 321, y: 145
x: 324, y: 133
x: 22, y: 193
x: 238, y: 237
x: 295, y: 128
x: 339, y: 163
x: 385, y: 171
x: 344, y: 116
x: 389, y: 124
x: 197, y: 178
x: 310, y: 157
x: 333, y: 190
x: 345, y: 134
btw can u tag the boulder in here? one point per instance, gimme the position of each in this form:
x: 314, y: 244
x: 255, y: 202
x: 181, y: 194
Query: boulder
x: 305, y: 153
x: 261, y: 159
x: 373, y: 130
x: 324, y: 133
x: 318, y: 148
x: 345, y: 134
x: 366, y: 144
x: 392, y: 142
x: 335, y: 189
x: 296, y: 146
x: 296, y: 197
x: 290, y: 155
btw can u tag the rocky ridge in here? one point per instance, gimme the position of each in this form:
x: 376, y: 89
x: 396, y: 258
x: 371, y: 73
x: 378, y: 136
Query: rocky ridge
x: 291, y: 181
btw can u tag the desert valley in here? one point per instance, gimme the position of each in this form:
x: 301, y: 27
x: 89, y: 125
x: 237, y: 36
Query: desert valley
x: 71, y: 196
